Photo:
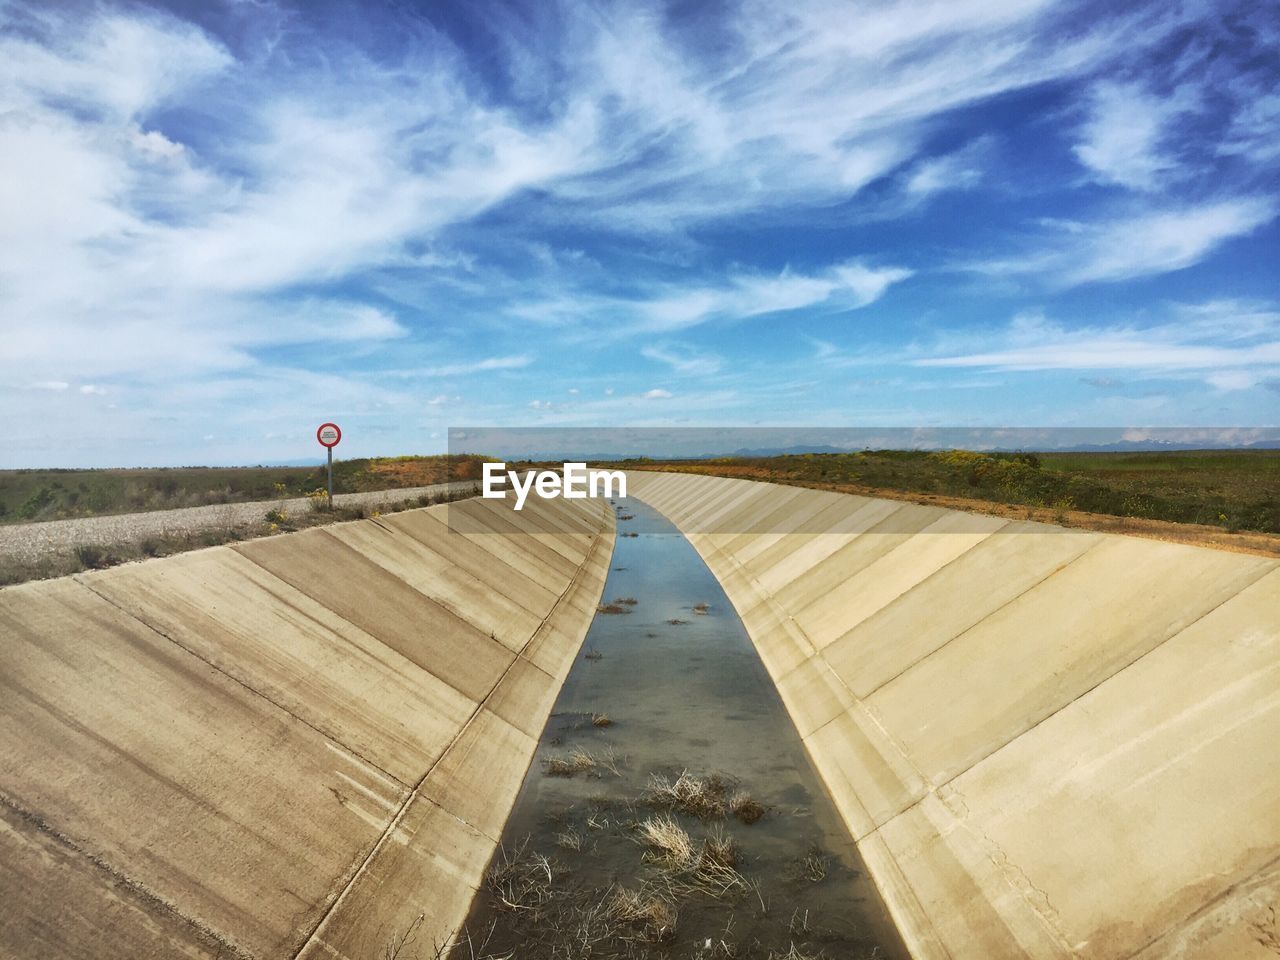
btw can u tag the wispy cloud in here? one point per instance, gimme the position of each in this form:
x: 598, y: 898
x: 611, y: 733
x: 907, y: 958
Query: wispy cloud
x: 1229, y: 346
x: 683, y: 359
x: 487, y: 364
x: 1151, y: 242
x: 669, y: 307
x: 959, y: 170
x: 232, y: 218
x: 1124, y: 140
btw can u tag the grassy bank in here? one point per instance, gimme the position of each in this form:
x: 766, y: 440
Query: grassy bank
x: 33, y: 495
x: 1234, y: 490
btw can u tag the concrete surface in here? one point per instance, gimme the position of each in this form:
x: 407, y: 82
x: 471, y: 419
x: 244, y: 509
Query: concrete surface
x: 1047, y: 743
x: 288, y: 747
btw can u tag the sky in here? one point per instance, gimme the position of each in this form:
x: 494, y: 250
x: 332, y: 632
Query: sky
x: 223, y: 223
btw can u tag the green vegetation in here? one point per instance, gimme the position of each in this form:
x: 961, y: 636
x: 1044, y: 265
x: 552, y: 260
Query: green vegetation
x: 27, y: 495
x: 1232, y: 489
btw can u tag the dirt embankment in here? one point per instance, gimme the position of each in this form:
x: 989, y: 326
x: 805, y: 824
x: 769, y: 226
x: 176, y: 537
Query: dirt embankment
x: 35, y: 551
x: 1258, y: 544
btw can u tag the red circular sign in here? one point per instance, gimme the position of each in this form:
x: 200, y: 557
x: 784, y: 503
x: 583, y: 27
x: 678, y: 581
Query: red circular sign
x: 329, y: 434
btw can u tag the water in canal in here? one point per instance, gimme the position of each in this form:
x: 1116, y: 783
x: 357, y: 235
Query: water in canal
x: 610, y: 852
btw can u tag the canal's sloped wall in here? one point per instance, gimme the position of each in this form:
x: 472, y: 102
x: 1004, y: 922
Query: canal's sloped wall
x: 1047, y: 743
x: 287, y: 747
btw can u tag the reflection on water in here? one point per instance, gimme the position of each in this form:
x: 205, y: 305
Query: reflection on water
x: 610, y: 852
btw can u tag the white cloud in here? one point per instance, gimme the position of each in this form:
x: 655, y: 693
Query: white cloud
x: 114, y: 63
x: 683, y: 359
x: 55, y: 385
x: 1124, y: 139
x: 960, y: 170
x: 847, y: 286
x: 172, y: 214
x: 1157, y: 241
x: 516, y: 362
x: 92, y: 389
x: 668, y: 307
x: 657, y: 394
x: 1229, y: 350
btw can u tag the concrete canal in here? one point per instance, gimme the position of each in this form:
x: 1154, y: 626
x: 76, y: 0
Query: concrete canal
x: 671, y: 810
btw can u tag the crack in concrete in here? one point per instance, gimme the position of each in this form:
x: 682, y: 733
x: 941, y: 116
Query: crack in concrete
x: 257, y: 693
x: 135, y: 886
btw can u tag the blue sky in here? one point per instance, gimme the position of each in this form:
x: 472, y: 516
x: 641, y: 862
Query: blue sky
x: 221, y: 224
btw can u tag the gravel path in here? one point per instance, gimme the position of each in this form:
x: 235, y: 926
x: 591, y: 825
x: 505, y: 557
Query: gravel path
x: 28, y: 543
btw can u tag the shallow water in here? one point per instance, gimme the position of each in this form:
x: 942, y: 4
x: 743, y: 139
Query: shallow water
x: 690, y: 696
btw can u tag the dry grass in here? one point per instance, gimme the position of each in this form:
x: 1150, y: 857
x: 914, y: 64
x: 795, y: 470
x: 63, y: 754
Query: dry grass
x: 520, y: 879
x: 569, y: 840
x: 811, y: 867
x: 718, y: 847
x: 702, y: 797
x: 691, y: 870
x: 745, y: 807
x: 668, y: 842
x: 653, y: 914
x: 601, y: 720
x: 580, y: 761
x: 395, y: 948
x: 795, y: 953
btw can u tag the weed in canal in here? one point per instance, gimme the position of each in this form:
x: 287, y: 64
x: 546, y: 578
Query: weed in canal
x: 668, y: 842
x: 689, y: 869
x: 720, y: 848
x: 702, y: 797
x: 795, y: 953
x: 601, y: 720
x: 630, y: 534
x: 745, y: 807
x: 476, y: 949
x: 400, y: 942
x: 569, y: 840
x: 626, y: 601
x: 811, y: 867
x: 613, y: 608
x: 580, y: 761
x: 650, y: 912
x: 701, y: 609
x: 676, y: 621
x: 521, y: 879
x: 593, y: 655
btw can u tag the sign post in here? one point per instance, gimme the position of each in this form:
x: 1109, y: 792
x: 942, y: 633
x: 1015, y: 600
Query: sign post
x: 329, y: 434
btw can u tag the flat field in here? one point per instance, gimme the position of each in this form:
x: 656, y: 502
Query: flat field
x: 1227, y: 491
